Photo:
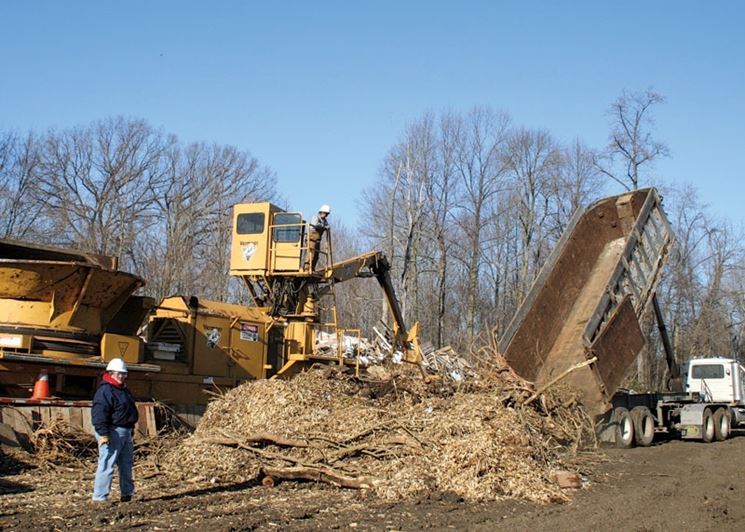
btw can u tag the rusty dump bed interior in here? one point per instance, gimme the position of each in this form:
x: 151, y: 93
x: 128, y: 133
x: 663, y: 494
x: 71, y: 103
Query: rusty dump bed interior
x: 589, y: 296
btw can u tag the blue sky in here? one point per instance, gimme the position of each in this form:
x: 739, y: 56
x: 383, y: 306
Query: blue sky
x: 321, y: 90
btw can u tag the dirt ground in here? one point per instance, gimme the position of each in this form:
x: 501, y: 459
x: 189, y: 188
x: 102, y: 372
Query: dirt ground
x: 673, y: 484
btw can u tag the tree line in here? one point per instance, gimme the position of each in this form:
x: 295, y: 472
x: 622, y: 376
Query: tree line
x: 470, y: 205
x: 467, y: 207
x: 120, y: 187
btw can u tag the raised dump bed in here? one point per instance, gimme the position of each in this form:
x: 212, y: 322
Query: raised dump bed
x: 580, y: 320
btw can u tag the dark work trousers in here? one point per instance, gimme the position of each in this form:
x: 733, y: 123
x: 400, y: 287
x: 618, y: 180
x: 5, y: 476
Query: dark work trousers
x: 314, y: 249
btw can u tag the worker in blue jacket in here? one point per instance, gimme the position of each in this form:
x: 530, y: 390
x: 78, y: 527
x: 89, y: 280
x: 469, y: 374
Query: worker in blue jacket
x: 114, y: 415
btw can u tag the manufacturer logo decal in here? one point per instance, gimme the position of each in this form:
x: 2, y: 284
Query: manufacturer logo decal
x: 248, y: 250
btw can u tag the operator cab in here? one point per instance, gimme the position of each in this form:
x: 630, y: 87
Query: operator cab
x: 266, y: 239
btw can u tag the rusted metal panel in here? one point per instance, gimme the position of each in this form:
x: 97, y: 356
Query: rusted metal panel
x: 12, y: 249
x: 617, y: 347
x: 637, y: 272
x: 96, y: 364
x: 543, y: 316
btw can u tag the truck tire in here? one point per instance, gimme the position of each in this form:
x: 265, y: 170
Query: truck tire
x: 624, y: 428
x: 722, y: 424
x: 643, y: 426
x: 708, y: 431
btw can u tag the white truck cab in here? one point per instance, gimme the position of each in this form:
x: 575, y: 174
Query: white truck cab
x: 717, y: 379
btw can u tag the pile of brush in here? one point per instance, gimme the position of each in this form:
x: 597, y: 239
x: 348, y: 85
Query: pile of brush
x: 391, y: 433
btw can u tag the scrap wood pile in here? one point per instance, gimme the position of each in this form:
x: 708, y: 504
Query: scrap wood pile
x: 392, y: 434
x: 60, y: 443
x: 444, y: 361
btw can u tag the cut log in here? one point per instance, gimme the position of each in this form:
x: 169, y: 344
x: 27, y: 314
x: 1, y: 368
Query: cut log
x: 319, y: 474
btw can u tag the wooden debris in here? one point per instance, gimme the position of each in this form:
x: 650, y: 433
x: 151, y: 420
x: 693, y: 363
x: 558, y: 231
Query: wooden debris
x: 60, y: 442
x: 443, y: 362
x: 319, y: 474
x: 404, y: 438
x: 566, y: 479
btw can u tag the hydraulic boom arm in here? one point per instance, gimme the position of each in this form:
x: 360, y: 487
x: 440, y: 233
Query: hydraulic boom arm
x: 375, y: 264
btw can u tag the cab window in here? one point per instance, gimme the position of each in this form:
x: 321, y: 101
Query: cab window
x: 292, y: 232
x: 250, y: 223
x: 708, y: 371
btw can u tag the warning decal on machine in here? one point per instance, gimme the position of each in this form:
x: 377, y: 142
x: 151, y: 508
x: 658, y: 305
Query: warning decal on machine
x: 249, y: 331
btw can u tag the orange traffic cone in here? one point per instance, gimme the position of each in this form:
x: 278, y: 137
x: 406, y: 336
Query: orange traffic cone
x: 41, y: 386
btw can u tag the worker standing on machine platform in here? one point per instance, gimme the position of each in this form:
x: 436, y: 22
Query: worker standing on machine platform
x: 114, y: 415
x: 318, y: 226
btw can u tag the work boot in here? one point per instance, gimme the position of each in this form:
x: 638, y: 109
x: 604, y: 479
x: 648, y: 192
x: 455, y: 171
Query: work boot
x: 125, y: 498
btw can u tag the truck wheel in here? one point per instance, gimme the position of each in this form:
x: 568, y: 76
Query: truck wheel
x: 708, y: 431
x: 643, y: 426
x: 721, y: 424
x: 624, y: 428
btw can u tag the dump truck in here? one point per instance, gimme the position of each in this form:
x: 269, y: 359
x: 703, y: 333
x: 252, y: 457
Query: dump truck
x: 710, y: 403
x: 580, y: 323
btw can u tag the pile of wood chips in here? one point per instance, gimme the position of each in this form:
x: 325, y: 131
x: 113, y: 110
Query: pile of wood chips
x: 392, y: 434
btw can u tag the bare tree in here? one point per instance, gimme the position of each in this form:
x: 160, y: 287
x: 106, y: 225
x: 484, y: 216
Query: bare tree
x: 98, y: 184
x: 532, y: 159
x: 19, y: 159
x: 479, y: 166
x: 121, y: 188
x: 401, y: 200
x: 712, y: 333
x: 576, y: 182
x: 188, y: 246
x: 441, y: 190
x: 631, y: 147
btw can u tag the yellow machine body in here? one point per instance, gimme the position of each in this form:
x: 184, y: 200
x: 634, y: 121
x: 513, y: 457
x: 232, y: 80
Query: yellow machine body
x: 208, y: 339
x: 128, y: 348
x: 70, y: 312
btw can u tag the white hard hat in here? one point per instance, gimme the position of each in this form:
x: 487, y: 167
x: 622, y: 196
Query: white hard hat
x: 117, y: 364
x: 325, y: 208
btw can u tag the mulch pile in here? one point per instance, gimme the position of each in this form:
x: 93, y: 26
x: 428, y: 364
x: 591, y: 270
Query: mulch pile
x: 390, y: 433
